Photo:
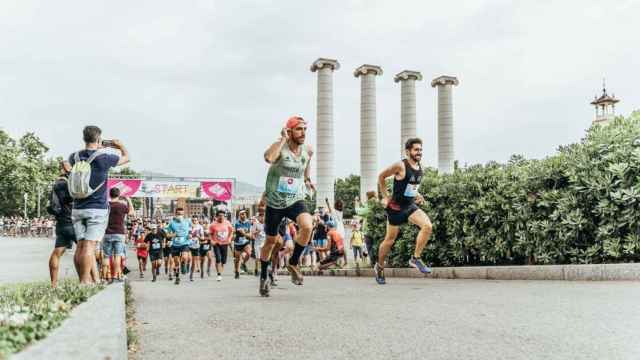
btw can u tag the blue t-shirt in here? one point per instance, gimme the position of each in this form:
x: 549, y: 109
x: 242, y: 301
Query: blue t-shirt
x: 241, y: 240
x: 182, y: 230
x: 99, y: 174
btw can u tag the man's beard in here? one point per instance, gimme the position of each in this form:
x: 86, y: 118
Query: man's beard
x: 299, y: 140
x: 416, y: 158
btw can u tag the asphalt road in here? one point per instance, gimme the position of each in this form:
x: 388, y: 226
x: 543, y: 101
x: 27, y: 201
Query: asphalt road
x: 338, y: 318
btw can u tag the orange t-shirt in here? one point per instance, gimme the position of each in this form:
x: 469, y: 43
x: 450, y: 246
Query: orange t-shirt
x: 336, y: 239
x: 221, y: 232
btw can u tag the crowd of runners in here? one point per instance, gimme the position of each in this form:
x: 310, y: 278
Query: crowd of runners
x: 283, y: 235
x: 17, y: 226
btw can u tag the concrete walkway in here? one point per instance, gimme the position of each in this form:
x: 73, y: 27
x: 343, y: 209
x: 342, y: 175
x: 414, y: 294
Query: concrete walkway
x: 27, y: 259
x: 337, y: 318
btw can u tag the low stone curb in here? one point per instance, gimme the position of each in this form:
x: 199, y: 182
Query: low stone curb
x: 96, y: 329
x: 591, y: 272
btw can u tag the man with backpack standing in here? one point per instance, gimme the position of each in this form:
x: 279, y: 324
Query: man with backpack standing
x: 88, y: 187
x: 60, y: 205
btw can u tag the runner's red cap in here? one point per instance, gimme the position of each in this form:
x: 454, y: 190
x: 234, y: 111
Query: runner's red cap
x: 294, y: 121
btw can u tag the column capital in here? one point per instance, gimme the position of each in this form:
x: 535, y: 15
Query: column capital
x: 444, y: 80
x: 368, y: 69
x: 408, y: 74
x: 322, y: 62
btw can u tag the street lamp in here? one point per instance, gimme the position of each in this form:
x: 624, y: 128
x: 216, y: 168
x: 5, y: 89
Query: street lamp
x: 26, y: 197
x: 39, y: 194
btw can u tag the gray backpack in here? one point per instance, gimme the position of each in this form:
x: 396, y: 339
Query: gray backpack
x: 80, y: 175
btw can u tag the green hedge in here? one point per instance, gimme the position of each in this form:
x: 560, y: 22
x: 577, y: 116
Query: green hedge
x: 28, y: 312
x: 579, y: 206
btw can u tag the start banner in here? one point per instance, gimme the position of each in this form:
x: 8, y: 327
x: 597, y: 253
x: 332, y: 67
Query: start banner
x: 216, y: 189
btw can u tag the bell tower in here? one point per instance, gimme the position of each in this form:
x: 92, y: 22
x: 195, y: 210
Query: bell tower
x: 605, y: 107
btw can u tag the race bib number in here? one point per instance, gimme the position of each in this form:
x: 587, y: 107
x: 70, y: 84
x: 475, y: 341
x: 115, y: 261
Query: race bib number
x: 170, y: 243
x: 155, y: 246
x: 288, y: 185
x: 222, y: 235
x: 205, y: 247
x: 411, y: 190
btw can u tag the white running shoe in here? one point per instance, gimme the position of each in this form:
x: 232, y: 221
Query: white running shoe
x: 219, y: 278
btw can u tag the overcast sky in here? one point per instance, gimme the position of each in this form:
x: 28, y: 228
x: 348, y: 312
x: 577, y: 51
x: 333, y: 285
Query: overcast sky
x: 201, y: 88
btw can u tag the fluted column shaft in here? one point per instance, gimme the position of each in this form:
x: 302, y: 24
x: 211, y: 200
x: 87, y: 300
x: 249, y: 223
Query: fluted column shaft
x: 407, y: 112
x: 446, y: 154
x: 445, y: 129
x: 368, y: 135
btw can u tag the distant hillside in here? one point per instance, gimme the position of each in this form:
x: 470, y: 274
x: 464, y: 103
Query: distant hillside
x: 242, y: 188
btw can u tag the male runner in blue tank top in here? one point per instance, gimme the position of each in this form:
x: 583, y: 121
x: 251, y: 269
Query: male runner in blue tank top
x: 401, y: 206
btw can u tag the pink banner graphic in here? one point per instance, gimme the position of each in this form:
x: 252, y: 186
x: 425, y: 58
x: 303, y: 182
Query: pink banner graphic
x: 218, y: 190
x: 128, y: 187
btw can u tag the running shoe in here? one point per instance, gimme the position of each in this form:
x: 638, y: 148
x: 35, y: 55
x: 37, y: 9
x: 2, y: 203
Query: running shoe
x: 243, y: 267
x: 379, y: 274
x: 273, y: 282
x: 296, y: 275
x: 177, y: 280
x: 154, y: 279
x: 264, y: 288
x: 237, y: 275
x: 418, y: 264
x: 219, y: 278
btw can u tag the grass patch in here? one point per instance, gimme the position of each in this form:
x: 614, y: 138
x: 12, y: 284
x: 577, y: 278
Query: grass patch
x: 132, y: 334
x: 28, y: 312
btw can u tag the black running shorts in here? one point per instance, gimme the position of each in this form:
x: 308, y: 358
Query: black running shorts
x: 273, y: 217
x: 65, y: 236
x: 155, y: 255
x: 176, y: 251
x: 220, y: 251
x: 204, y: 249
x: 240, y: 248
x: 401, y: 216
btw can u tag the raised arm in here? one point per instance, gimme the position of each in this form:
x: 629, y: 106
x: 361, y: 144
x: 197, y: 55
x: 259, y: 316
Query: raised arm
x: 392, y: 170
x: 131, y: 209
x: 307, y: 170
x: 124, y: 158
x: 273, y: 152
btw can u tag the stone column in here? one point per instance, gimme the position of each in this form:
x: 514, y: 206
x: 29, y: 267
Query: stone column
x: 407, y: 81
x: 324, y: 151
x: 446, y: 155
x: 368, y: 128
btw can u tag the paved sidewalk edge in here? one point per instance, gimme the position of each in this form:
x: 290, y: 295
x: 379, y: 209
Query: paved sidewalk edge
x: 96, y: 329
x: 590, y: 272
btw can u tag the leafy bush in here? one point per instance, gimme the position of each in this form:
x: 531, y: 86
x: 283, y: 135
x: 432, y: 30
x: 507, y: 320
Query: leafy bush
x: 29, y: 311
x: 581, y: 205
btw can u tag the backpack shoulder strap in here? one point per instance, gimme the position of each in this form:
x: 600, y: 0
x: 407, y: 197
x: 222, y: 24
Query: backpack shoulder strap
x: 94, y: 156
x: 76, y: 157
